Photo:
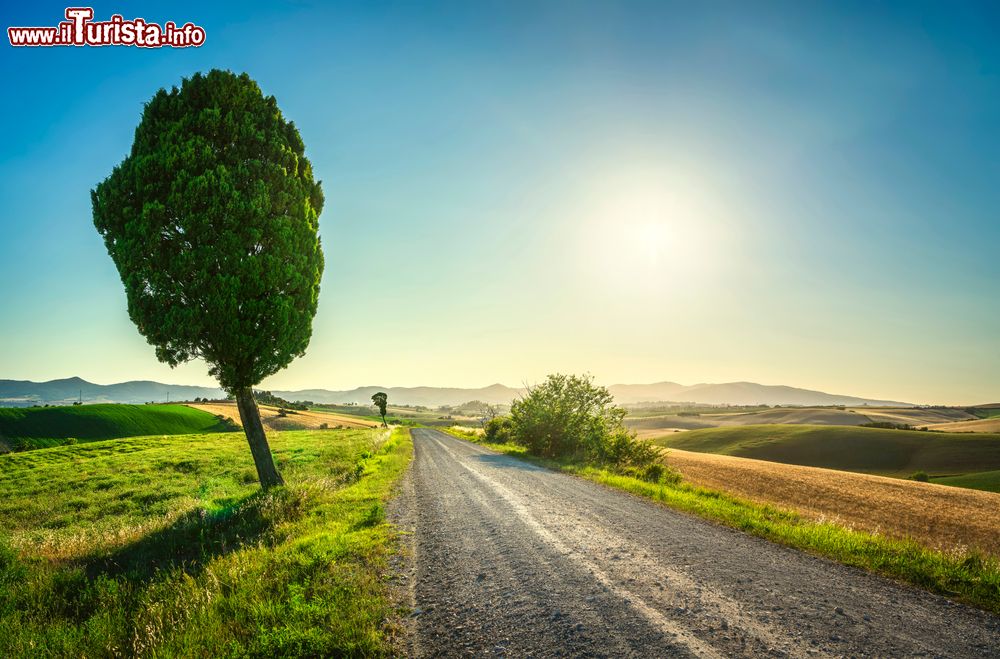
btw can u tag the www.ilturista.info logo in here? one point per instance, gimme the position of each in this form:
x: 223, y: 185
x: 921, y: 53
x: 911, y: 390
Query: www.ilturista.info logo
x: 79, y: 29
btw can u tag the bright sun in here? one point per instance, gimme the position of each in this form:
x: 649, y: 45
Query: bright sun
x: 653, y: 236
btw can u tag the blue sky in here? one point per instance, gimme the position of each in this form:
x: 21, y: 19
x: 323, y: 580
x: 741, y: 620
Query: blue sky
x: 795, y: 193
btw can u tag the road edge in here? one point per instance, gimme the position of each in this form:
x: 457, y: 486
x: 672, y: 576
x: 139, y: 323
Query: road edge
x: 971, y: 579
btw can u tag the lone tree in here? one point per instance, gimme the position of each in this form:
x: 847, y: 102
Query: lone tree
x: 381, y: 399
x: 212, y: 222
x: 568, y: 416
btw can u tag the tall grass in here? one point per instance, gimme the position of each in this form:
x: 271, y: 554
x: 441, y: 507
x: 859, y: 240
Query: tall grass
x: 166, y: 546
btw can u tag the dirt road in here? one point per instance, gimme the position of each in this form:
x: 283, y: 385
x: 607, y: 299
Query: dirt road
x: 514, y: 560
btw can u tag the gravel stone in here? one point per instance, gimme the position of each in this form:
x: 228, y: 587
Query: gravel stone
x: 511, y: 554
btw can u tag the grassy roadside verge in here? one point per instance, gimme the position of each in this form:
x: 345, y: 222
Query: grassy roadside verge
x: 164, y: 546
x: 967, y: 576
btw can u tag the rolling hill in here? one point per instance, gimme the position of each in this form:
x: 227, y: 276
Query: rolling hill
x: 917, y: 417
x: 865, y: 450
x: 988, y: 481
x: 733, y: 393
x: 273, y: 419
x: 940, y: 517
x: 425, y: 396
x: 948, y: 419
x: 29, y: 428
x: 26, y: 393
x: 736, y: 393
x: 825, y: 416
x: 979, y: 425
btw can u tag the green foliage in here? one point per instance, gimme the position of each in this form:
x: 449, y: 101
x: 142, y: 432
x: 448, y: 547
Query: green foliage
x: 849, y: 448
x: 654, y: 472
x: 267, y: 398
x: 40, y: 427
x: 381, y: 400
x: 888, y: 425
x: 163, y: 546
x: 212, y: 222
x: 920, y: 476
x: 498, y: 430
x: 658, y: 472
x: 568, y: 416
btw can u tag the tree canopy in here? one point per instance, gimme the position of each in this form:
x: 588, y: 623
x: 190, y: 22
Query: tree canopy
x: 212, y: 220
x: 380, y: 400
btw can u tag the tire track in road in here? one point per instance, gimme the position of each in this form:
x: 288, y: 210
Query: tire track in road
x: 680, y: 634
x: 516, y: 560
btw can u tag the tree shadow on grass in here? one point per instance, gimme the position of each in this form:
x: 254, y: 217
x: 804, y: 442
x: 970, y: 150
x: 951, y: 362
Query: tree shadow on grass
x: 194, y: 539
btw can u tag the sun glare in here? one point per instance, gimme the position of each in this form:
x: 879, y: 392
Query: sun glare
x: 653, y: 235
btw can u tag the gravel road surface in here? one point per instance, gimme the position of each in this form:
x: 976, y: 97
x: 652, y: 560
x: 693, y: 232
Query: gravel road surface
x: 509, y: 559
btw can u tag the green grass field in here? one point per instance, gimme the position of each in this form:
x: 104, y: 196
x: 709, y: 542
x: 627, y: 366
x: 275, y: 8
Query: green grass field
x: 984, y: 480
x: 986, y: 412
x: 849, y: 448
x: 41, y: 427
x: 645, y: 411
x: 165, y: 546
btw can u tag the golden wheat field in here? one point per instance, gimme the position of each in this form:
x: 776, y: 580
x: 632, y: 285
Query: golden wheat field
x: 295, y: 420
x: 979, y: 425
x: 937, y: 516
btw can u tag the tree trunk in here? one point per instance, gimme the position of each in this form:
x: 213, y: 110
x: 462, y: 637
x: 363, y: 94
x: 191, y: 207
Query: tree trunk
x: 254, y: 429
x: 384, y: 425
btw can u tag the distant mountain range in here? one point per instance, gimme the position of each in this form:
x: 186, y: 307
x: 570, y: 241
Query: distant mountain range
x: 24, y: 392
x: 736, y: 393
x: 14, y: 392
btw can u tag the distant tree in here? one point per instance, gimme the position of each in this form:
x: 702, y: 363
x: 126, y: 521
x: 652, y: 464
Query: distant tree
x: 268, y: 398
x: 381, y: 399
x: 212, y: 222
x: 488, y: 412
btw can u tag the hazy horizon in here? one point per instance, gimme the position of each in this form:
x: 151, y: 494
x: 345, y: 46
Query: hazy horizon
x: 311, y: 387
x: 780, y: 193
